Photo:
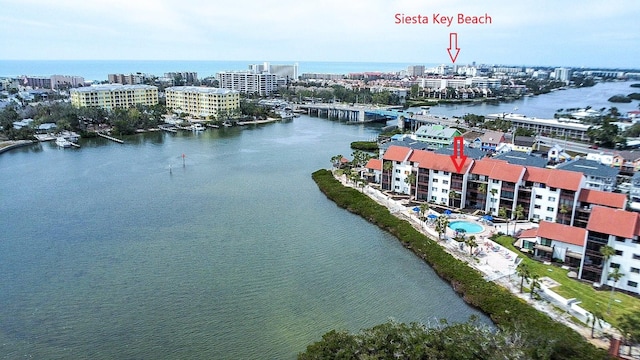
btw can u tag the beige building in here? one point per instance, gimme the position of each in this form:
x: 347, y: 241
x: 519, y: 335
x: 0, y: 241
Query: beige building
x: 114, y: 96
x: 201, y: 101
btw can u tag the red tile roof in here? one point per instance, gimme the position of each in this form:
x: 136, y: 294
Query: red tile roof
x: 528, y: 233
x: 616, y: 222
x: 498, y: 169
x: 374, y: 164
x: 562, y: 233
x: 431, y: 160
x: 396, y: 153
x: 603, y: 198
x: 562, y: 179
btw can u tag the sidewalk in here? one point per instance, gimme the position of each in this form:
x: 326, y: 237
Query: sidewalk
x: 497, y: 263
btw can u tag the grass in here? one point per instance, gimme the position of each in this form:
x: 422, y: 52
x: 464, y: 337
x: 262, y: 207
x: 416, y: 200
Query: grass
x: 591, y: 299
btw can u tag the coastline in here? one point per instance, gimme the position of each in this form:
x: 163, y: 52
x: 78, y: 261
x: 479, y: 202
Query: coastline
x: 13, y: 144
x: 506, y: 309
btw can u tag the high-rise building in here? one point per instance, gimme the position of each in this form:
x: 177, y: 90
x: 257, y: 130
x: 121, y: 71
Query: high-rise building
x: 415, y: 70
x: 248, y: 82
x: 563, y: 74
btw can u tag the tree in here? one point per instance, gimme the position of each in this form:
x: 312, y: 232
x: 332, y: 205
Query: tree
x: 394, y: 340
x: 629, y: 327
x: 502, y: 212
x: 453, y: 195
x: 411, y: 181
x: 607, y: 252
x: 423, y: 210
x: 595, y: 318
x: 615, y: 275
x: 387, y: 167
x: 335, y: 160
x: 519, y: 212
x: 482, y: 190
x: 441, y: 225
x: 534, y: 284
x: 564, y: 210
x: 524, y: 272
x: 471, y: 243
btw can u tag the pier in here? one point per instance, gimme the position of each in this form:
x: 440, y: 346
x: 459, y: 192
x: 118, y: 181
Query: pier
x: 110, y: 137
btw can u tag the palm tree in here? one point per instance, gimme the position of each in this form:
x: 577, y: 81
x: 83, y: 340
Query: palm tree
x: 502, y: 212
x: 607, y: 252
x: 524, y: 272
x: 453, y: 195
x: 519, y: 212
x: 595, y: 318
x: 535, y: 284
x: 482, y: 189
x: 335, y: 160
x: 564, y: 210
x: 387, y: 166
x: 471, y: 243
x: 615, y: 275
x: 411, y: 181
x: 441, y: 225
x: 423, y: 210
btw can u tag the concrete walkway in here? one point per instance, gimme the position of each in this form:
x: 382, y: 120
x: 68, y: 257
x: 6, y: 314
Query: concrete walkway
x: 495, y: 262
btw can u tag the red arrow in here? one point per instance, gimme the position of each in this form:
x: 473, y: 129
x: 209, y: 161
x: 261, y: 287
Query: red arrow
x: 458, y: 158
x: 453, y: 44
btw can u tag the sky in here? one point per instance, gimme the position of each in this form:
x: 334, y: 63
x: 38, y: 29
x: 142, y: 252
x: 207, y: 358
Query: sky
x: 576, y: 33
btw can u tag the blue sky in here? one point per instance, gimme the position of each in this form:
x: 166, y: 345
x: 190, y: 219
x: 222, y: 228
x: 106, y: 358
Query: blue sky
x: 590, y: 33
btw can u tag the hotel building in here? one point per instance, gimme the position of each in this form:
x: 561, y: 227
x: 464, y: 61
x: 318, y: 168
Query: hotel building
x: 203, y: 102
x: 114, y: 96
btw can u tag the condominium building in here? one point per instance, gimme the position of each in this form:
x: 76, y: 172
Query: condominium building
x: 575, y: 221
x: 203, y: 102
x: 248, y: 82
x: 64, y: 81
x: 129, y: 79
x: 562, y: 128
x: 114, y: 96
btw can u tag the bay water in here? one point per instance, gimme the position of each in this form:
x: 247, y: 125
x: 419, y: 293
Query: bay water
x: 132, y: 251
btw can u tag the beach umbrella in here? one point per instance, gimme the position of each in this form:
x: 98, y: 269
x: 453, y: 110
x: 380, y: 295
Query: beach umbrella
x: 447, y: 212
x: 432, y: 216
x: 488, y: 217
x: 416, y: 209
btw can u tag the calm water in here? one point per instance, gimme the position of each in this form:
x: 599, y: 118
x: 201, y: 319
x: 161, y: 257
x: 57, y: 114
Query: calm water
x: 544, y: 106
x: 105, y: 253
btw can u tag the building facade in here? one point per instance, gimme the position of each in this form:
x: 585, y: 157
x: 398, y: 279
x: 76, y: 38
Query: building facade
x: 113, y: 96
x: 202, y: 102
x: 248, y: 82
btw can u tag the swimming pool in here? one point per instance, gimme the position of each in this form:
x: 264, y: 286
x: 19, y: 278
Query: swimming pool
x: 466, y: 226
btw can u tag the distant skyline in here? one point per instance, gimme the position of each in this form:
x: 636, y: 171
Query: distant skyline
x: 572, y: 33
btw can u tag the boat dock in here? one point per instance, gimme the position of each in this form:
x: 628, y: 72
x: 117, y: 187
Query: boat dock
x: 170, y: 129
x: 110, y: 137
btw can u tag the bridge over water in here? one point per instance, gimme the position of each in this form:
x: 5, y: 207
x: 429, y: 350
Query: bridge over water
x: 365, y: 113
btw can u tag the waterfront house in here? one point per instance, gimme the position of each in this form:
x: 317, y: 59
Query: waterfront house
x: 524, y: 144
x: 490, y: 139
x: 628, y: 161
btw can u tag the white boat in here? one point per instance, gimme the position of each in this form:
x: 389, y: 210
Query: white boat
x: 197, y: 127
x: 62, y: 142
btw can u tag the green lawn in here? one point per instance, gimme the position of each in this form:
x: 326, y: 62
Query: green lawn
x: 591, y: 299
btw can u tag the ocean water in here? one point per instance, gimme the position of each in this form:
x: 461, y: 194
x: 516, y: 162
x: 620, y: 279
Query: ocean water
x: 99, y: 69
x: 124, y: 251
